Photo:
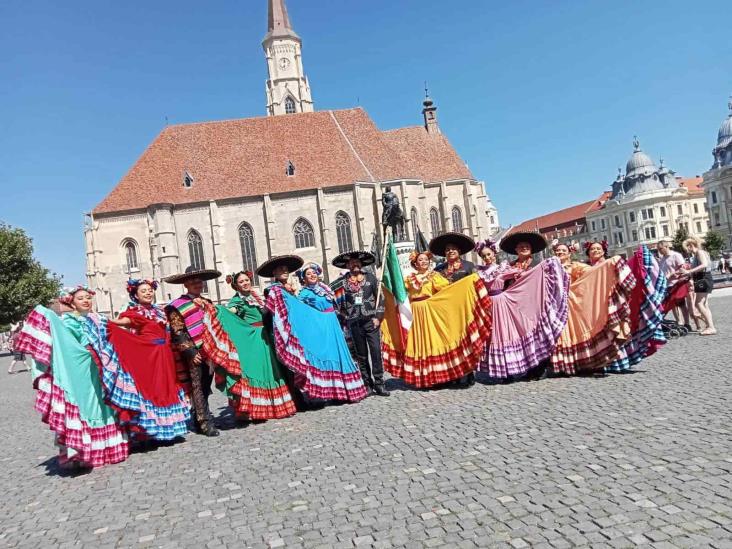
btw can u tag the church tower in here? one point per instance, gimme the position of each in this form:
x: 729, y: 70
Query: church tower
x: 288, y: 89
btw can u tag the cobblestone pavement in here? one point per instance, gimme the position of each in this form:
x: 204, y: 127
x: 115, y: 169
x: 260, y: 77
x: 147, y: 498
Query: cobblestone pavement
x: 640, y: 459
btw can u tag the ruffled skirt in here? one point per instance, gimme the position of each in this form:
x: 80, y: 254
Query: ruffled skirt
x: 446, y: 339
x: 69, y: 393
x: 311, y: 344
x: 527, y: 320
x: 599, y: 319
x: 646, y: 311
x: 247, y: 369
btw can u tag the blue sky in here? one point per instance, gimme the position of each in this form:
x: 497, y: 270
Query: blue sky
x: 541, y: 99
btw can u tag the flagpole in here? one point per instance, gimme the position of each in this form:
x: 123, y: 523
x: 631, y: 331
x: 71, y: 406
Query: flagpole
x: 387, y: 234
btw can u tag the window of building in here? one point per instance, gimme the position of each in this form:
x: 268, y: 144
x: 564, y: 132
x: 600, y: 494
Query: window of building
x: 618, y: 238
x: 662, y: 209
x: 679, y: 209
x: 696, y: 208
x: 304, y: 235
x: 602, y: 223
x: 594, y: 227
x: 650, y: 233
x: 435, y: 224
x: 131, y: 263
x: 634, y: 234
x: 195, y: 253
x: 290, y: 169
x: 631, y: 216
x: 290, y: 105
x: 493, y: 220
x: 664, y: 229
x: 187, y: 180
x: 714, y: 197
x: 698, y: 227
x: 457, y: 219
x: 617, y: 221
x: 413, y: 221
x: 343, y: 232
x: 716, y: 219
x: 248, y: 249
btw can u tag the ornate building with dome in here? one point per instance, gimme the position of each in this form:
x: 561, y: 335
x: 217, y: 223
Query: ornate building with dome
x: 647, y: 203
x: 718, y: 181
x: 229, y: 194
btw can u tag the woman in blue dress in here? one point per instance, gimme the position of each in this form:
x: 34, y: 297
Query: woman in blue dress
x: 308, y: 336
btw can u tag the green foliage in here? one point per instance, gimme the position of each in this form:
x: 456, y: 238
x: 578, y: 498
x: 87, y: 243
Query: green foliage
x: 678, y: 241
x: 24, y: 283
x: 714, y: 243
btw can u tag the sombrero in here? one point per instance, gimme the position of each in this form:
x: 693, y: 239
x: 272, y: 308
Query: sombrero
x: 463, y: 243
x: 292, y: 262
x: 192, y: 272
x: 341, y: 260
x: 536, y: 241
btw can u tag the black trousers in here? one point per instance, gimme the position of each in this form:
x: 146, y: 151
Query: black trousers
x: 367, y: 340
x: 201, y: 381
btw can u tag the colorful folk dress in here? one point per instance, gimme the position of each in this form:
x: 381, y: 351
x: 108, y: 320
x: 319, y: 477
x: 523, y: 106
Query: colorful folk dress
x: 69, y: 394
x: 449, y: 330
x: 310, y: 342
x: 599, y: 322
x: 646, y: 311
x: 139, y: 373
x: 528, y: 317
x: 259, y: 378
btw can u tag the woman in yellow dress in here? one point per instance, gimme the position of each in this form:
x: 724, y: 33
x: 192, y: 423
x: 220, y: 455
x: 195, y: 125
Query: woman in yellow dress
x: 424, y: 282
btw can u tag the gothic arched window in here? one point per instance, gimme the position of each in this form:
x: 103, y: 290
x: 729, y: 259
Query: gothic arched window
x: 131, y: 262
x: 343, y: 232
x: 435, y: 222
x: 290, y: 105
x: 195, y: 253
x: 248, y: 249
x: 457, y: 219
x: 413, y: 221
x: 304, y: 235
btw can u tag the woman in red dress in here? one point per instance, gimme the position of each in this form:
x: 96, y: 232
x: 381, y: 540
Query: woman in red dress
x: 141, y: 379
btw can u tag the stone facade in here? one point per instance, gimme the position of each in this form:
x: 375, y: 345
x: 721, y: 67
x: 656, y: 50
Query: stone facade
x: 160, y: 235
x: 718, y: 182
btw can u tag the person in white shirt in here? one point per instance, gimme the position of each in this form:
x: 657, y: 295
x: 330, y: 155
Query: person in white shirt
x: 701, y: 272
x: 671, y: 263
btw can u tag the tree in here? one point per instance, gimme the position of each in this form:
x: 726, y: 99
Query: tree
x: 24, y: 282
x: 713, y: 243
x: 678, y: 241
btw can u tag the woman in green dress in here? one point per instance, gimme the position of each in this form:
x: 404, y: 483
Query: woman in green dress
x: 261, y: 388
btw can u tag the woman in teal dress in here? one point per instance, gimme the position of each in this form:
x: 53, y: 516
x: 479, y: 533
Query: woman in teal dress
x: 261, y: 385
x: 69, y: 395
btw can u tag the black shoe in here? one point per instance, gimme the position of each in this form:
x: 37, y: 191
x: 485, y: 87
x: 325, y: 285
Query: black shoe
x: 381, y: 391
x: 470, y: 381
x: 209, y: 430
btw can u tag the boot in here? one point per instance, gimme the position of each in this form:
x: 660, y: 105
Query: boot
x: 380, y: 390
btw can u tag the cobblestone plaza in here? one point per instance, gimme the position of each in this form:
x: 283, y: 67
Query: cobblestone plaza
x: 626, y: 460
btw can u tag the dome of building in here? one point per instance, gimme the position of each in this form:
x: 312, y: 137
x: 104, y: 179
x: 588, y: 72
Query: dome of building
x: 724, y: 137
x: 639, y: 162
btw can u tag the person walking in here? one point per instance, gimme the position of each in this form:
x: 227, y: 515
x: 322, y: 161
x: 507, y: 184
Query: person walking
x: 18, y: 355
x: 701, y: 274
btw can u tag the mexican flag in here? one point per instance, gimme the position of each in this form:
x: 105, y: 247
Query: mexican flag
x: 397, y: 313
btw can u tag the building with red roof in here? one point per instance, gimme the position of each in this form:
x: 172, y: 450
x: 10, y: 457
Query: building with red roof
x: 230, y: 194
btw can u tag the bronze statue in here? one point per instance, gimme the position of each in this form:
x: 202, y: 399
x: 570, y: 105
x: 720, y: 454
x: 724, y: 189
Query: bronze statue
x: 392, y: 215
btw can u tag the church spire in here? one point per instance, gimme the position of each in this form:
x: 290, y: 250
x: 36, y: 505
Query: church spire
x: 429, y: 112
x: 288, y: 89
x: 278, y: 23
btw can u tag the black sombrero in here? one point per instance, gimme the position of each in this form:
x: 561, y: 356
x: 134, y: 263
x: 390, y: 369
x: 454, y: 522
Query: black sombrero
x: 463, y: 243
x: 292, y: 262
x: 192, y: 272
x: 341, y: 260
x: 536, y: 241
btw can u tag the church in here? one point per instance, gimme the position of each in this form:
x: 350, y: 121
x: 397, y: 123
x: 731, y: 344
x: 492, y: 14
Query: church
x: 230, y: 194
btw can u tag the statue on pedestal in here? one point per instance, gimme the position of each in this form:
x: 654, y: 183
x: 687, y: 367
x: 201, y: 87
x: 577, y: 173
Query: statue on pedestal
x: 392, y: 215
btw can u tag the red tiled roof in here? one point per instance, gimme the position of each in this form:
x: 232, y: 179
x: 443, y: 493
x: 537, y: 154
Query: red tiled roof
x: 692, y: 183
x: 567, y: 216
x: 248, y: 157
